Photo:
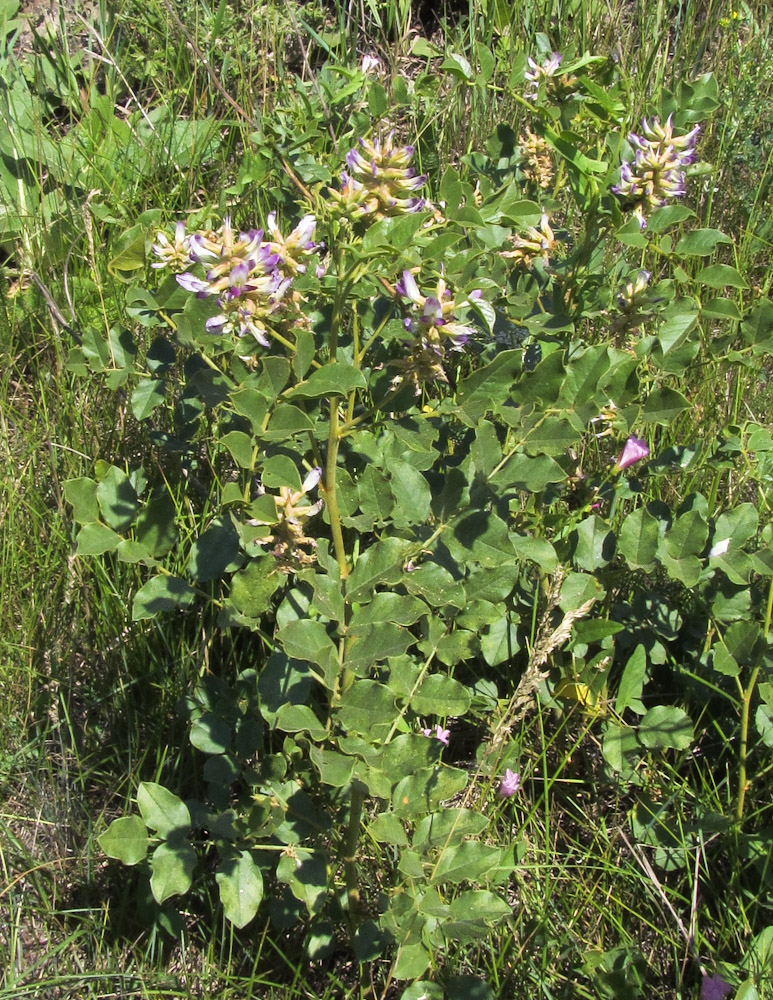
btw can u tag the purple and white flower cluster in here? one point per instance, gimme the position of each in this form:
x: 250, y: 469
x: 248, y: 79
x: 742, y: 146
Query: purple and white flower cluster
x: 537, y: 243
x: 557, y: 85
x: 380, y: 181
x: 657, y: 173
x: 432, y: 318
x: 537, y: 72
x: 250, y: 275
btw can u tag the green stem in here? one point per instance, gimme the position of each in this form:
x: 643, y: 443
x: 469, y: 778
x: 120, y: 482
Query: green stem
x: 331, y: 496
x: 746, y: 704
x: 350, y: 848
x: 743, y: 747
x: 333, y: 435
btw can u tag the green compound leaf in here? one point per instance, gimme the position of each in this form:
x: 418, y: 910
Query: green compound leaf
x: 286, y: 421
x: 664, y: 727
x: 381, y: 563
x: 215, y: 551
x: 81, y: 494
x: 663, y: 406
x: 422, y: 792
x: 282, y: 681
x: 441, y: 695
x: 670, y: 215
x: 241, y: 887
x: 411, y: 492
x: 126, y: 840
x: 300, y: 719
x: 253, y: 586
x: 478, y: 392
x: 95, y: 539
x: 240, y: 446
x: 448, y: 828
x: 304, y: 639
x: 161, y: 593
x: 721, y: 276
x: 117, y: 498
x: 466, y: 862
x: 526, y: 472
x: 375, y: 496
x: 436, y: 584
x: 251, y: 404
x: 211, y: 734
x: 481, y: 537
x: 472, y: 913
x: 306, y: 875
x: 388, y: 607
x: 172, y: 867
x: 162, y: 810
x: 335, y: 769
x: 386, y: 828
x: 335, y: 379
x: 148, y: 395
x: 156, y: 529
x: 638, y: 539
x: 367, y: 708
x: 411, y: 960
x: 701, y: 242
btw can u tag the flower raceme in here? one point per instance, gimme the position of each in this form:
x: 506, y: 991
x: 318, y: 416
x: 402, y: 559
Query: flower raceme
x: 547, y: 73
x: 288, y: 540
x: 657, y: 173
x: 536, y: 243
x: 249, y: 275
x: 432, y: 318
x: 380, y: 181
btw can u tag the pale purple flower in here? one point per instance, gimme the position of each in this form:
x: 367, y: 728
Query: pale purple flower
x: 536, y: 72
x: 509, y: 785
x: 432, y: 318
x: 291, y: 250
x: 714, y: 988
x: 443, y: 735
x: 172, y: 253
x: 656, y: 174
x: 634, y: 451
x: 312, y: 479
x: 191, y: 283
x: 547, y: 73
x: 380, y: 181
x: 371, y: 64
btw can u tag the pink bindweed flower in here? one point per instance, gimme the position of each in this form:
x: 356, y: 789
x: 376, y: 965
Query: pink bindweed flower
x: 438, y: 733
x: 509, y: 785
x: 634, y: 451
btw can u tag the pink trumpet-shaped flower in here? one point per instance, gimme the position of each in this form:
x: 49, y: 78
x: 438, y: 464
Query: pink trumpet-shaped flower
x: 634, y: 451
x: 438, y: 733
x: 509, y: 785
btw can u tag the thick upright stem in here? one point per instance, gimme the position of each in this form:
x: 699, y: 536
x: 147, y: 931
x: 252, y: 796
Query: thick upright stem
x: 331, y: 496
x: 743, y: 743
x: 350, y: 848
x: 747, y: 694
x: 333, y: 435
